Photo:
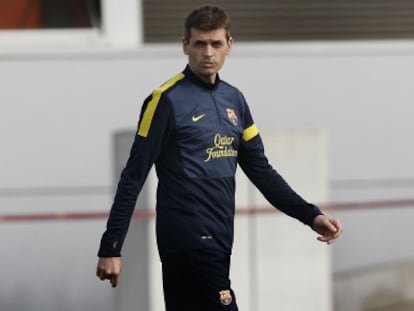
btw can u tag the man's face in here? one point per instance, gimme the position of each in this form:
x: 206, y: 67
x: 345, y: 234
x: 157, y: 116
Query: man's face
x: 206, y: 52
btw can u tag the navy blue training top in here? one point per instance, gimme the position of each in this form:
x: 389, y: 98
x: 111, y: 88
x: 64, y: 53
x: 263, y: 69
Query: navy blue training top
x: 196, y: 134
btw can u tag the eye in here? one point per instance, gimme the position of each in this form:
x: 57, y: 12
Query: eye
x: 199, y: 44
x: 217, y: 44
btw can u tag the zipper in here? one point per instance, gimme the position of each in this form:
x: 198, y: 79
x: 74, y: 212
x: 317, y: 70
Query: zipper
x: 215, y: 105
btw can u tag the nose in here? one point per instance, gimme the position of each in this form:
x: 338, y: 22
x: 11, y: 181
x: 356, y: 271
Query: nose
x: 208, y: 51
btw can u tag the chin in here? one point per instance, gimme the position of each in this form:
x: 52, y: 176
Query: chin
x: 208, y: 72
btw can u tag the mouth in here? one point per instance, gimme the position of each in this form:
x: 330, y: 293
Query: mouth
x: 208, y: 64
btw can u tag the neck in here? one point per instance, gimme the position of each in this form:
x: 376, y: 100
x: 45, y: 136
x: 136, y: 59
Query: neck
x: 209, y: 79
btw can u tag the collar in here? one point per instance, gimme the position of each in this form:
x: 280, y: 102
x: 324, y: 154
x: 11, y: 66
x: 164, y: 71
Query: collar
x: 193, y: 77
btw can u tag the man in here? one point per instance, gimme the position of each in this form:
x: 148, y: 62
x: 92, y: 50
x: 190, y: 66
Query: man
x: 196, y: 128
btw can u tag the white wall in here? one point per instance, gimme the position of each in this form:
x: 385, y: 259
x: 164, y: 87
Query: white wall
x: 55, y: 106
x: 60, y: 109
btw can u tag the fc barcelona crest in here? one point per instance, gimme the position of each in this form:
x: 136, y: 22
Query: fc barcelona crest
x: 232, y: 116
x: 225, y: 297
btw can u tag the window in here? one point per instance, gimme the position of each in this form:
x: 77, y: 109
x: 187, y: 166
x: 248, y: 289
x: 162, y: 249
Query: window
x: 287, y: 20
x: 49, y: 14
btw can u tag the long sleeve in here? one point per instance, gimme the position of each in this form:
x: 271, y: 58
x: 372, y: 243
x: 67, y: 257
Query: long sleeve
x: 271, y: 184
x: 154, y: 128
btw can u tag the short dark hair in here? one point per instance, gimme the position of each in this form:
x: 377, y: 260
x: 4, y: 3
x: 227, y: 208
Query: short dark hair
x: 206, y: 18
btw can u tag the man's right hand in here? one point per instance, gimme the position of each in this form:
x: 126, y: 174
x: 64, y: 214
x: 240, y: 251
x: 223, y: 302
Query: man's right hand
x: 109, y: 268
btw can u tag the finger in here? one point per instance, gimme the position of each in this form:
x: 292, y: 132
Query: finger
x: 327, y: 238
x: 337, y: 234
x: 323, y: 238
x: 100, y: 274
x: 327, y: 241
x: 114, y: 280
x: 339, y: 228
x: 331, y: 225
x: 103, y: 277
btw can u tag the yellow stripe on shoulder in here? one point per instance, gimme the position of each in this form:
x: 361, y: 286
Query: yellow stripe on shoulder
x: 149, y: 112
x: 250, y: 132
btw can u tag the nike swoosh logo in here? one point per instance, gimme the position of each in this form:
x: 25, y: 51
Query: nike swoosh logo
x: 198, y: 118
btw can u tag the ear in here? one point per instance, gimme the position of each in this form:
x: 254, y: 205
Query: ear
x: 185, y: 45
x: 229, y: 45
